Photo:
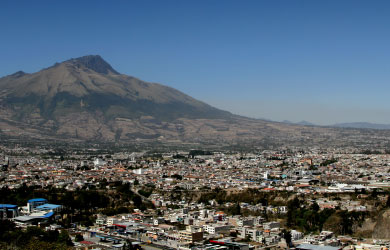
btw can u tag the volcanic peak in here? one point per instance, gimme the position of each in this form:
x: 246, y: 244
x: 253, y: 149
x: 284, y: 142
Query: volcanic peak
x: 93, y: 62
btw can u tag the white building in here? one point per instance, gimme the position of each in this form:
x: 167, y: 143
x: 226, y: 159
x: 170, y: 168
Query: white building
x: 216, y: 228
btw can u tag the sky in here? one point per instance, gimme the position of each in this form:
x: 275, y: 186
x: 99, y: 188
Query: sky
x: 321, y: 61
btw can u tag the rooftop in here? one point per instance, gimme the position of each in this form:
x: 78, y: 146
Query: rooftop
x: 8, y: 206
x: 37, y: 199
x: 316, y: 247
x: 48, y: 206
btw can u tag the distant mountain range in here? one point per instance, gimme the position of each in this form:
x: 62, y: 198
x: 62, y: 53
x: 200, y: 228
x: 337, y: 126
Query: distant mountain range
x: 358, y: 125
x: 85, y: 99
x: 303, y: 122
x: 362, y: 125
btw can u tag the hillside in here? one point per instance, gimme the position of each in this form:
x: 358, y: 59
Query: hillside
x: 89, y: 84
x: 85, y: 99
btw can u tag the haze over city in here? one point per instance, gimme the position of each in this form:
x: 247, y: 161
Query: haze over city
x: 325, y: 62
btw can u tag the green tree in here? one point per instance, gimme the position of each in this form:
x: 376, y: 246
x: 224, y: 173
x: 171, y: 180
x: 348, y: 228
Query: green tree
x: 78, y: 238
x: 388, y: 201
x: 287, y: 236
x: 64, y: 238
x: 235, y: 209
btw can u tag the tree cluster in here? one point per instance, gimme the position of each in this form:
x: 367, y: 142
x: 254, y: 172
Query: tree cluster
x: 32, y: 238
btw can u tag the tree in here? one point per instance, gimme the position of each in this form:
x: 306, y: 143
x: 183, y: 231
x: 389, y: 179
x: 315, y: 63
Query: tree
x: 287, y: 236
x: 293, y: 204
x: 64, y: 238
x: 38, y: 245
x: 78, y: 238
x: 5, y: 227
x: 315, y: 207
x: 235, y: 209
x: 137, y: 201
x: 177, y: 176
x: 374, y: 193
x: 388, y: 201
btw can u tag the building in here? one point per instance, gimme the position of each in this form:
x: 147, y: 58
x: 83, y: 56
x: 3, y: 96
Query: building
x: 271, y: 225
x: 230, y: 245
x: 139, y: 171
x: 191, y: 235
x: 217, y: 228
x: 248, y: 232
x: 8, y: 211
x: 33, y: 203
x: 49, y: 207
x: 316, y: 247
x: 296, y: 235
x: 98, y: 162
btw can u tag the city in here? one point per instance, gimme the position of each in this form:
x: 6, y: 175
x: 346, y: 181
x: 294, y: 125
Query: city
x: 204, y: 200
x: 195, y: 125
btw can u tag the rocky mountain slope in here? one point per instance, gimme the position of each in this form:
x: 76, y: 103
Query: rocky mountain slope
x: 91, y: 84
x: 86, y: 99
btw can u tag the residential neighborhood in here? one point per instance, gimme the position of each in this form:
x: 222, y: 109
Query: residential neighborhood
x: 204, y: 200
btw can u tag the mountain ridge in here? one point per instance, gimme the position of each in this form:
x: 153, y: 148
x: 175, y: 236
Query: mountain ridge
x: 88, y: 87
x: 362, y: 125
x: 85, y: 99
x: 94, y: 62
x: 91, y: 82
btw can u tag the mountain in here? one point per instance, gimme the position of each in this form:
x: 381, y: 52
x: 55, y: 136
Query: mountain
x: 90, y: 84
x: 85, y: 99
x: 365, y: 125
x: 303, y: 122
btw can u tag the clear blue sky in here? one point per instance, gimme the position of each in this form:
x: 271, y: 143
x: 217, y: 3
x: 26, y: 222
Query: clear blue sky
x: 323, y: 61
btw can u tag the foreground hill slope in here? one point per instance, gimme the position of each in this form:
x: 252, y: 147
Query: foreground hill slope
x: 85, y: 99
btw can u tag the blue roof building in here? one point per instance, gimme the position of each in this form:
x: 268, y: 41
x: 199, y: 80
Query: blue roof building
x: 8, y: 211
x: 8, y: 206
x: 35, y: 200
x: 48, y: 206
x: 33, y: 203
x: 48, y: 215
